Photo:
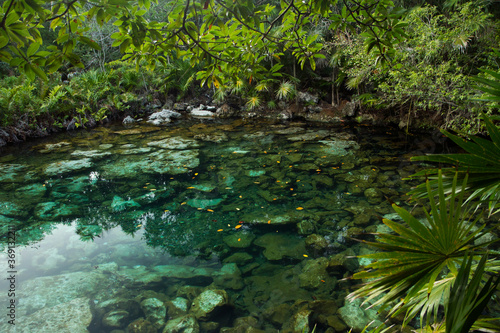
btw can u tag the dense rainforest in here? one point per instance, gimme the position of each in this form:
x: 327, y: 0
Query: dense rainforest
x: 70, y: 64
x: 77, y: 63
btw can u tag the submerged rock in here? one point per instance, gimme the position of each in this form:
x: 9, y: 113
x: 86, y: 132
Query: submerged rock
x: 141, y: 325
x: 115, y: 319
x: 184, y: 324
x: 314, y: 273
x: 155, y: 311
x: 278, y: 246
x: 204, y: 203
x: 356, y: 317
x: 120, y: 204
x: 95, y: 154
x: 239, y: 240
x: 174, y: 143
x: 208, y: 302
x: 67, y: 166
x: 73, y: 316
x: 11, y: 172
x: 31, y: 193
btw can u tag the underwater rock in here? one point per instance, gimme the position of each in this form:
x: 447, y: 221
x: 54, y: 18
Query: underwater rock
x: 305, y: 227
x: 289, y: 130
x: 204, y: 203
x: 54, y: 147
x: 309, y: 136
x: 313, y: 273
x: 255, y: 173
x: 373, y: 195
x: 174, y: 143
x: 73, y: 316
x: 12, y: 209
x: 278, y: 246
x: 208, y: 302
x: 155, y: 311
x: 67, y: 166
x: 205, y: 187
x: 214, y: 137
x: 279, y: 314
x: 177, y: 307
x: 119, y: 204
x: 241, y: 239
x: 184, y: 324
x: 115, y: 319
x: 119, y: 303
x: 300, y: 321
x: 172, y: 162
x: 48, y: 291
x: 229, y: 276
x: 11, y: 172
x: 336, y: 147
x: 31, y: 193
x: 95, y: 154
x: 356, y: 317
x: 290, y: 217
x: 55, y: 210
x: 199, y: 275
x: 316, y: 243
x: 239, y: 258
x: 141, y: 325
x: 135, y: 151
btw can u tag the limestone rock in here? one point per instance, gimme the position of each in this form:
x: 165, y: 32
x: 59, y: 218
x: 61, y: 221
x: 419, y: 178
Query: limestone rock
x: 240, y: 239
x: 68, y: 166
x: 174, y: 143
x: 184, y: 324
x: 115, y: 319
x: 278, y: 246
x: 356, y: 317
x: 163, y: 117
x: 314, y: 273
x: 208, y: 302
x: 316, y: 243
x: 119, y: 204
x: 177, y: 307
x: 155, y: 311
x: 141, y: 325
x: 128, y: 120
x: 73, y: 316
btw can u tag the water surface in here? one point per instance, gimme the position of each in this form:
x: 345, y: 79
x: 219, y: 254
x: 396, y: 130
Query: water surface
x: 127, y: 228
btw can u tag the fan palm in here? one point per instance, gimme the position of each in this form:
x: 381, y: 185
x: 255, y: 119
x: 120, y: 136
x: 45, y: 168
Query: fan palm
x: 481, y: 165
x: 414, y: 258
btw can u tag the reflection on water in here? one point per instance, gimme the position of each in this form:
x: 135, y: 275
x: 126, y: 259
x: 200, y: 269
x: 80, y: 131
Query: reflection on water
x: 198, y: 226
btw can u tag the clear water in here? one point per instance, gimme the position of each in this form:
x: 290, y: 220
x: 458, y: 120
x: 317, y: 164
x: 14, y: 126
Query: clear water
x: 117, y: 224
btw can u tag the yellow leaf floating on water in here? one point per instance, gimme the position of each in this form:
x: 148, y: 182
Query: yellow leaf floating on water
x: 238, y: 226
x: 190, y: 187
x: 300, y: 208
x: 183, y: 203
x: 210, y: 210
x: 153, y: 189
x: 269, y: 222
x: 305, y: 255
x: 239, y: 239
x: 140, y: 225
x: 220, y: 230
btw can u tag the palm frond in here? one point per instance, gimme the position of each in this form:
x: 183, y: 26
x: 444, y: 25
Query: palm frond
x: 481, y: 165
x: 285, y: 90
x: 417, y: 253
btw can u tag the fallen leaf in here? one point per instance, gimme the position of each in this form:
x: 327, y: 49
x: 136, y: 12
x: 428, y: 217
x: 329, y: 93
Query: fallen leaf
x: 140, y: 225
x: 210, y: 210
x: 238, y: 226
x: 220, y: 230
x: 190, y: 187
x: 239, y: 239
x: 305, y: 255
x: 300, y: 208
x: 183, y: 203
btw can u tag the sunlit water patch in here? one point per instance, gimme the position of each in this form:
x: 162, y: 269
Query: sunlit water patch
x: 197, y: 226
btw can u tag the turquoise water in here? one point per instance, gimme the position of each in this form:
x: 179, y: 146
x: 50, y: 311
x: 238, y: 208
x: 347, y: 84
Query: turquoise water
x: 207, y: 225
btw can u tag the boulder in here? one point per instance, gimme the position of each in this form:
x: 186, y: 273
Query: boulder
x: 128, y: 121
x: 163, y: 117
x: 356, y: 317
x: 278, y: 246
x: 73, y: 316
x: 155, y: 311
x: 184, y: 324
x: 177, y: 307
x: 314, y: 273
x: 141, y: 325
x: 68, y: 166
x: 115, y: 319
x: 208, y: 302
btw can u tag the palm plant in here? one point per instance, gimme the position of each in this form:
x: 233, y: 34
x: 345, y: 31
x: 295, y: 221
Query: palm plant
x: 409, y: 270
x: 481, y: 165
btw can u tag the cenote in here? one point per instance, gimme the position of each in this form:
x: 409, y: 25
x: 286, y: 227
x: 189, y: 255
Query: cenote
x: 199, y: 226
